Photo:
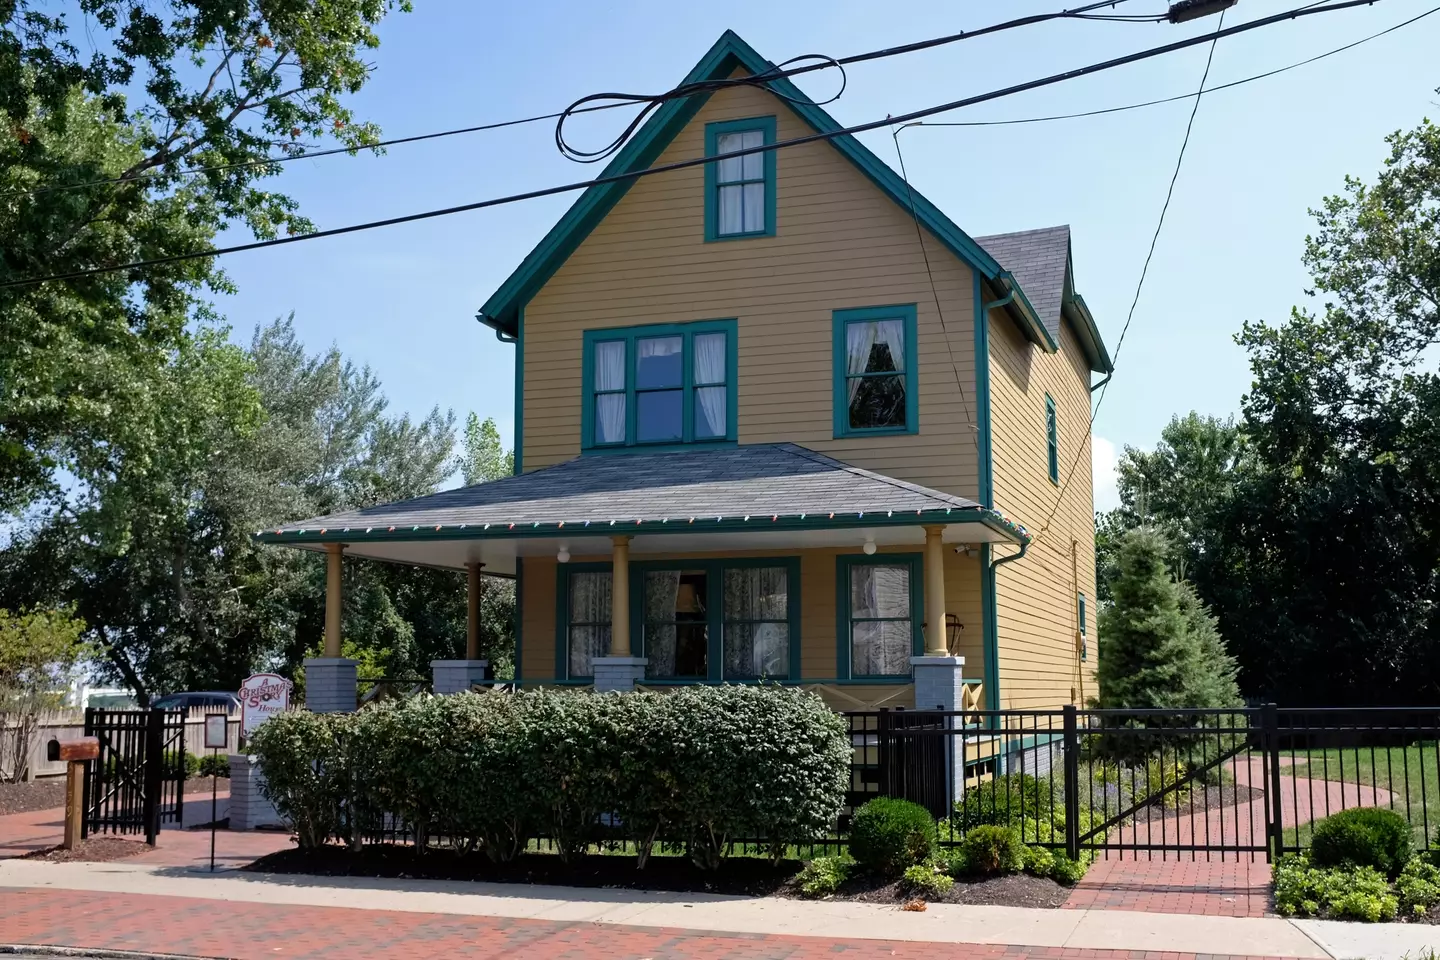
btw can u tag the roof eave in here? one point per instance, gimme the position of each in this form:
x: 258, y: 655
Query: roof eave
x: 1078, y: 313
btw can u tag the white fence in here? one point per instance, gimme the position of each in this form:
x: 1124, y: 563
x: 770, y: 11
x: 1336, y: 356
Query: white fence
x: 67, y: 723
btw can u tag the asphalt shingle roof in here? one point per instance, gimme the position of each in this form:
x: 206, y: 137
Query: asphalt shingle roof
x: 1038, y: 259
x: 766, y: 479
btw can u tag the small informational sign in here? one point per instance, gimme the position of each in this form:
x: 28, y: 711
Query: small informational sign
x: 215, y: 730
x: 261, y: 697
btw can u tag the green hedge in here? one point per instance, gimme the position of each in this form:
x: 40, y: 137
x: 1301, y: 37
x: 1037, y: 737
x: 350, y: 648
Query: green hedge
x: 888, y: 836
x: 695, y: 769
x: 1363, y: 837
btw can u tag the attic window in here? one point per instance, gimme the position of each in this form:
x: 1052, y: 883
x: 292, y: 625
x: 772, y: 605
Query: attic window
x: 740, y: 191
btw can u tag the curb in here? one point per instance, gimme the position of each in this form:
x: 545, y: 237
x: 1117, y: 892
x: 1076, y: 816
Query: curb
x: 48, y: 950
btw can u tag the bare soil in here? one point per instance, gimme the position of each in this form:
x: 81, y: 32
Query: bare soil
x: 93, y: 849
x: 45, y: 794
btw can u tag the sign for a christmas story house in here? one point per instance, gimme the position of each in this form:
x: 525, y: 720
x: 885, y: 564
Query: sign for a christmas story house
x: 261, y: 697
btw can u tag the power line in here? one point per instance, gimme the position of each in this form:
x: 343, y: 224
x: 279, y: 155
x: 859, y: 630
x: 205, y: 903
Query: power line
x: 649, y: 102
x: 1182, y: 96
x: 1140, y: 284
x: 633, y: 175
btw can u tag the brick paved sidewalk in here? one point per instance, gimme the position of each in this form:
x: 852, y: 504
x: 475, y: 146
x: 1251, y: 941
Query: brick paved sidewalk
x: 1200, y: 887
x: 250, y: 931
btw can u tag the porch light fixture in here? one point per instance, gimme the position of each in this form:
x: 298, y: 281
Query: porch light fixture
x: 564, y: 555
x: 869, y: 546
x: 953, y: 628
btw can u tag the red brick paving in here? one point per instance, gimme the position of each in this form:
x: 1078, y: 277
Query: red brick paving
x: 1202, y: 887
x: 250, y: 931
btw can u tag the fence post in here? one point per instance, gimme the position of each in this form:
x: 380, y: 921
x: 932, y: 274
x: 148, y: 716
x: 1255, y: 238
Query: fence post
x: 88, y: 790
x: 1271, y: 725
x: 154, y: 772
x: 1072, y: 783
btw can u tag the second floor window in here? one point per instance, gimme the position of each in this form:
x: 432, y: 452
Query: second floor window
x: 740, y: 190
x: 1052, y: 441
x: 665, y: 384
x: 875, y: 371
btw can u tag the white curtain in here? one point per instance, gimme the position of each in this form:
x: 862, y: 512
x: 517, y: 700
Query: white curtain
x: 892, y: 334
x: 652, y: 348
x: 742, y: 208
x: 881, y: 643
x: 662, y: 593
x: 756, y: 649
x: 589, y: 621
x: 859, y: 339
x: 710, y: 369
x: 610, y: 407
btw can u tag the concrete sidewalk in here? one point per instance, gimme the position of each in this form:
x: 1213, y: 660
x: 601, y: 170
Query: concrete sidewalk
x: 941, y: 923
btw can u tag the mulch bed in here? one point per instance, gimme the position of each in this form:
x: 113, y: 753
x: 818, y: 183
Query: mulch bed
x: 1012, y: 890
x: 93, y: 849
x: 744, y: 876
x: 36, y: 795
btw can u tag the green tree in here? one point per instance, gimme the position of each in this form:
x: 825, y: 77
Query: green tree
x: 143, y: 149
x: 38, y: 654
x: 1158, y: 645
x: 483, y: 458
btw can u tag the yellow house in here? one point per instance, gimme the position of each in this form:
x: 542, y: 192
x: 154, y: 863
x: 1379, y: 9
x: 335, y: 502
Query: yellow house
x: 777, y: 418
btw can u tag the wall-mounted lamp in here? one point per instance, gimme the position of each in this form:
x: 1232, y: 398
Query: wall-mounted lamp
x: 564, y: 555
x: 869, y: 547
x: 953, y: 629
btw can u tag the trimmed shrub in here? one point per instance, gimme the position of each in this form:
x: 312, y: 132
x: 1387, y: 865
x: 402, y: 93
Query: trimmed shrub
x: 926, y: 880
x: 994, y: 849
x: 822, y: 876
x: 306, y: 760
x: 1418, y: 886
x: 1363, y: 837
x: 1006, y: 800
x: 1038, y: 861
x: 1341, y: 893
x: 1067, y: 871
x: 888, y: 836
x: 213, y: 765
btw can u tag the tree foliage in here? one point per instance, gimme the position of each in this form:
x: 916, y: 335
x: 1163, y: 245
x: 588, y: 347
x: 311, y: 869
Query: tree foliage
x: 38, y: 653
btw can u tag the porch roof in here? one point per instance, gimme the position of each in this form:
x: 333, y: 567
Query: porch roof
x: 753, y: 496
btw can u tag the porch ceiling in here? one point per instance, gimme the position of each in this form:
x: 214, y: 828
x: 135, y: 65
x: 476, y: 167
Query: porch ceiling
x: 760, y: 496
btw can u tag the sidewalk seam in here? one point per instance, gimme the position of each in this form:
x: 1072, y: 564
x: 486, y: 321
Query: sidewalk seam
x: 1315, y: 939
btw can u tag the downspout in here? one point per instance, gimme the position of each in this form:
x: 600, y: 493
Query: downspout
x: 1102, y: 383
x: 494, y: 324
x: 1013, y: 557
x: 1002, y: 302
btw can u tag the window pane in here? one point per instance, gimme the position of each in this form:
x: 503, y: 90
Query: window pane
x: 587, y: 643
x: 733, y: 168
x: 875, y: 346
x: 590, y: 597
x: 877, y: 401
x: 710, y: 357
x: 610, y: 418
x: 676, y: 628
x: 757, y: 593
x: 710, y: 413
x: 880, y: 590
x: 730, y: 218
x: 880, y: 648
x: 659, y: 415
x: 753, y: 163
x: 756, y: 650
x: 610, y: 365
x: 754, y: 207
x: 658, y: 362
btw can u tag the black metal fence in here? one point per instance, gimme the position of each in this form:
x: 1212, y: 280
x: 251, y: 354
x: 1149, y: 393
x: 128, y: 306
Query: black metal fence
x: 1246, y: 782
x: 138, y: 781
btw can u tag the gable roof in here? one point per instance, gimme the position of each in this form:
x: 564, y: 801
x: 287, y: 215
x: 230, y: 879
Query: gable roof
x: 1040, y: 260
x: 778, y: 484
x: 502, y: 310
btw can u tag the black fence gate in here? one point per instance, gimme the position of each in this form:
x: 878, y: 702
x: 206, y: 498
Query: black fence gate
x: 138, y: 782
x: 1243, y: 782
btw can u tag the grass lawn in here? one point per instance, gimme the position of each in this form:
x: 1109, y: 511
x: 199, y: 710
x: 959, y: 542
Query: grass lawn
x: 1411, y: 774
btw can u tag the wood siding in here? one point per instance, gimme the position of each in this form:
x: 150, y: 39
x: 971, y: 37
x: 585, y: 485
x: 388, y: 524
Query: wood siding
x: 818, y: 628
x: 839, y: 243
x: 1036, y: 596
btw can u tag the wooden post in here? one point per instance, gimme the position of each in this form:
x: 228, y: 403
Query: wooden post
x: 936, y: 643
x: 472, y: 619
x: 74, y: 802
x: 332, y: 598
x: 620, y: 598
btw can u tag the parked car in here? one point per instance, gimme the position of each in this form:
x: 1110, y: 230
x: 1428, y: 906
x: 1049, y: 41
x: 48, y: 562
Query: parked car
x: 213, y: 699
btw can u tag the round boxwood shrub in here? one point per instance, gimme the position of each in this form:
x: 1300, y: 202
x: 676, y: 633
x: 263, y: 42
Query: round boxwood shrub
x: 888, y: 836
x: 994, y: 849
x: 1363, y: 837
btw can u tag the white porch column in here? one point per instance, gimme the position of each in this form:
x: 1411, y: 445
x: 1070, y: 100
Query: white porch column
x: 938, y: 675
x: 457, y: 676
x: 619, y: 671
x: 330, y: 679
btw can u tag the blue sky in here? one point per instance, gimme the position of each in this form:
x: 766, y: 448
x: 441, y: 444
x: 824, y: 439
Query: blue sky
x: 403, y: 299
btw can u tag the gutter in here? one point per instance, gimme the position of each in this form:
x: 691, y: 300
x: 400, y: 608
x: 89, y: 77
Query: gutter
x: 493, y: 324
x: 1097, y: 386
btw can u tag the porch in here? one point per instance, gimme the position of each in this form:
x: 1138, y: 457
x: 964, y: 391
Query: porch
x: 764, y: 562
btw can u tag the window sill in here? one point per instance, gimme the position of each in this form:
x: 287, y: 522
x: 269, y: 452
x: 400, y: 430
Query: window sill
x: 876, y: 432
x: 658, y: 447
x: 721, y: 238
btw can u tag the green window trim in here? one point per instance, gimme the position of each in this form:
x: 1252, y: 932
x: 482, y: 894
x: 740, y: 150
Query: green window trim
x: 1052, y: 440
x: 904, y: 312
x: 713, y: 132
x: 843, y: 632
x: 715, y: 569
x: 1084, y: 638
x: 629, y: 335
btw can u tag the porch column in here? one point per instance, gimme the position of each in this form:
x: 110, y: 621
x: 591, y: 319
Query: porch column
x: 457, y: 676
x: 938, y: 683
x: 619, y: 671
x: 330, y: 679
